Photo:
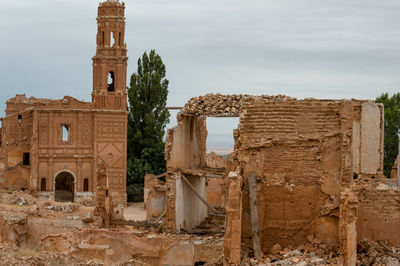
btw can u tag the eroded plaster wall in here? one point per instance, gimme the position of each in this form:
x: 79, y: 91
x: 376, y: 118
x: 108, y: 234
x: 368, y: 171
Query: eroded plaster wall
x: 185, y: 149
x: 368, y: 130
x: 190, y: 210
x: 186, y: 143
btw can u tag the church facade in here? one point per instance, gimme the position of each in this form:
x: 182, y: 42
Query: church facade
x: 54, y: 147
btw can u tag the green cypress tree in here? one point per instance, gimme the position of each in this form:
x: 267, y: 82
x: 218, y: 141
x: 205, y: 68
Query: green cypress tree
x: 392, y: 127
x: 148, y: 117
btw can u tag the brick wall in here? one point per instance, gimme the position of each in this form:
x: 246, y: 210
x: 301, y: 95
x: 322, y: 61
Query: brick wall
x: 294, y: 150
x: 379, y: 215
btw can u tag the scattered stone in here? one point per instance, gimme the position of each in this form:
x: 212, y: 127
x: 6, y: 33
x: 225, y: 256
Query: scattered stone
x: 275, y: 248
x: 295, y: 260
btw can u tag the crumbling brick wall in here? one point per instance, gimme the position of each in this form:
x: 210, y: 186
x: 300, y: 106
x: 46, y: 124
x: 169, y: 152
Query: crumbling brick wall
x: 154, y: 196
x: 379, y: 213
x: 293, y: 148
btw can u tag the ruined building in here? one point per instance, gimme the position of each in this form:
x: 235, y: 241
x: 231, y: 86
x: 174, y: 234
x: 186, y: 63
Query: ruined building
x: 302, y: 173
x: 295, y: 174
x: 53, y: 147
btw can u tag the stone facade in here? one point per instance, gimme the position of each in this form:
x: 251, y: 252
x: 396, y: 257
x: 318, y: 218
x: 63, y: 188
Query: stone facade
x: 56, y: 145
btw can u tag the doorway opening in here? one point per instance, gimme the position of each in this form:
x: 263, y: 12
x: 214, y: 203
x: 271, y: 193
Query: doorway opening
x: 64, y: 187
x: 43, y: 184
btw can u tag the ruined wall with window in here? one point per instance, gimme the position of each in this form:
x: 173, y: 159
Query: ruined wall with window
x: 296, y: 172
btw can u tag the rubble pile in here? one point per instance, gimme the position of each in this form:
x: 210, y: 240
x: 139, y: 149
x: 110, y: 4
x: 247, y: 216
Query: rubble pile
x: 308, y: 254
x: 12, y: 256
x: 377, y: 253
x: 369, y: 253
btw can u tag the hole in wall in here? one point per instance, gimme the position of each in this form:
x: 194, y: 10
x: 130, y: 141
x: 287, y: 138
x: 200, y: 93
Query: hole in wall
x: 65, y: 133
x: 110, y: 82
x: 26, y: 158
x: 220, y: 134
x: 112, y: 39
x: 199, y: 263
x: 86, y: 185
x: 19, y: 119
x: 355, y: 176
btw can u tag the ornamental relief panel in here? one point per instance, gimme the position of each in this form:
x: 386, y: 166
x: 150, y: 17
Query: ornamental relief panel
x: 111, y: 154
x: 115, y: 180
x: 43, y: 133
x: 110, y: 130
x: 85, y: 132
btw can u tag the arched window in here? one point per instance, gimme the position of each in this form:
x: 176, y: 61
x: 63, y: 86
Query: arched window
x: 110, y: 82
x: 43, y: 184
x: 86, y: 185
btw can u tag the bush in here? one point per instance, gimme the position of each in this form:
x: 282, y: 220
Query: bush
x: 135, y: 192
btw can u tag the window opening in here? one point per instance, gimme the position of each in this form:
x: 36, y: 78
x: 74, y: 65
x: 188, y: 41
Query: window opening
x: 26, y: 158
x: 19, y: 119
x: 220, y: 134
x: 43, y: 184
x: 110, y: 82
x: 119, y: 39
x: 86, y: 185
x: 65, y: 133
x: 102, y: 38
x: 112, y: 39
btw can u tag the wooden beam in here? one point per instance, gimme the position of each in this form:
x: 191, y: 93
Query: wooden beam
x: 173, y: 108
x: 161, y: 216
x: 254, y: 215
x: 198, y: 195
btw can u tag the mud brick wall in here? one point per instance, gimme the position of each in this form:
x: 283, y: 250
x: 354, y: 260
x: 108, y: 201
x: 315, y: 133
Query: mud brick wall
x: 294, y: 149
x: 379, y: 215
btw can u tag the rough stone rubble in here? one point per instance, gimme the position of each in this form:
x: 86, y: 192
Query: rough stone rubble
x: 222, y: 105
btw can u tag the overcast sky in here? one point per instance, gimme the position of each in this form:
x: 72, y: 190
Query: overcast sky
x: 308, y: 48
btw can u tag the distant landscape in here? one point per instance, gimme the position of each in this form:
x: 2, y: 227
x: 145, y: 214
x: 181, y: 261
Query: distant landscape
x: 220, y: 143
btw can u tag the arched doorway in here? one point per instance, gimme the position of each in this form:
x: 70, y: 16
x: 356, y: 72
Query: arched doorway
x: 64, y: 186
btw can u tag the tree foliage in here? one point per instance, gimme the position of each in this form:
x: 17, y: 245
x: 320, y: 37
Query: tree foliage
x: 147, y: 119
x: 392, y: 127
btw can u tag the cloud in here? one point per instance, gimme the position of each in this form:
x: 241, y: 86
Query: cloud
x: 312, y: 48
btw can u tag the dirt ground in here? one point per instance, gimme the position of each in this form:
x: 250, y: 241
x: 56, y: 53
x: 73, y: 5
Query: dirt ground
x: 135, y: 211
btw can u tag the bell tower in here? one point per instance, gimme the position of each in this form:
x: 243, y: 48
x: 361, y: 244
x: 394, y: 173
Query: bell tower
x: 110, y: 61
